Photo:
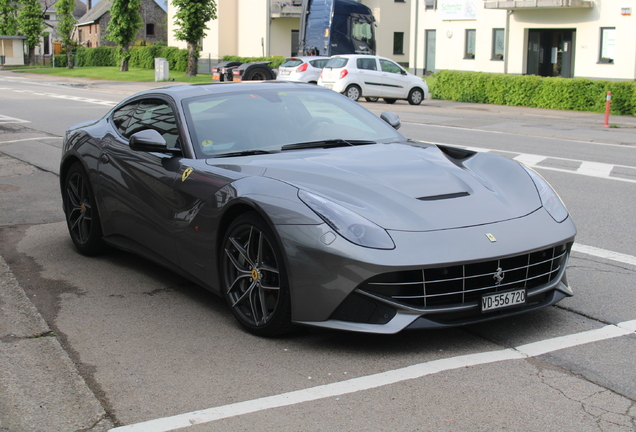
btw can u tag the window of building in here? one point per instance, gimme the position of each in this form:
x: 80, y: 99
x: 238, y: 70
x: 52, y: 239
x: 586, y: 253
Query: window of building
x: 498, y: 44
x: 608, y: 42
x: 398, y: 43
x: 471, y: 36
x: 430, y: 4
x: 47, y: 17
x: 399, y: 1
x: 150, y: 29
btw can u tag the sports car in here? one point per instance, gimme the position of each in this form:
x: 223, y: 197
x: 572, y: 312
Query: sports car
x: 302, y: 208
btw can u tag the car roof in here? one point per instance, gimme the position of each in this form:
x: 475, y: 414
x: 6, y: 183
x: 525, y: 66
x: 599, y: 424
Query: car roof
x: 353, y: 56
x: 185, y: 91
x: 306, y: 58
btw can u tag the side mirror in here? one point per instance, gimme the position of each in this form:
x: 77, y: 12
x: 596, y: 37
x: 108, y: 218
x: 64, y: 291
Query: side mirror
x: 148, y: 140
x: 392, y: 119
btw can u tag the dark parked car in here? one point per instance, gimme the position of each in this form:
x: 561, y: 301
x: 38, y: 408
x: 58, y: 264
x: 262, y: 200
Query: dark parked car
x: 301, y: 207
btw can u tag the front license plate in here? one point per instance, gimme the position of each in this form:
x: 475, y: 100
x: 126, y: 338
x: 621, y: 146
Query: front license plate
x: 501, y: 300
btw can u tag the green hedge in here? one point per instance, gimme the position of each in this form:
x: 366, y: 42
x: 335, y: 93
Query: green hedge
x: 140, y: 56
x: 574, y: 94
x: 276, y: 61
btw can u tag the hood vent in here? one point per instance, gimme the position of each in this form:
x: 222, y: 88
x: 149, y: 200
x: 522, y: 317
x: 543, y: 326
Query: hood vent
x: 444, y: 196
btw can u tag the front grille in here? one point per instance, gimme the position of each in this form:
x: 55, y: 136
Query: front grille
x: 461, y: 284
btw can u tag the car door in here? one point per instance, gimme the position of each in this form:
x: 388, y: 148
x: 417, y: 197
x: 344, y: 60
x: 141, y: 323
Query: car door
x: 370, y: 76
x: 394, y: 80
x: 138, y: 200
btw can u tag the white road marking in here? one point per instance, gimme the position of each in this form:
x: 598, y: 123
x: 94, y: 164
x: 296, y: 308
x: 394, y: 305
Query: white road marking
x: 606, y: 254
x: 516, y: 134
x: 30, y: 139
x: 61, y: 96
x: 589, y: 169
x: 529, y: 159
x: 6, y: 119
x: 595, y: 169
x: 378, y: 380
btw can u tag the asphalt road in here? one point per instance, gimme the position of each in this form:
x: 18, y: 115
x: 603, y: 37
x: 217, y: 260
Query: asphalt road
x: 115, y: 341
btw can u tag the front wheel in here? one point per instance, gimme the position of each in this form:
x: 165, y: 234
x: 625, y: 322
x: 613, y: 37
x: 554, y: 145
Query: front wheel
x: 390, y: 101
x: 416, y: 96
x: 353, y: 92
x: 82, y: 217
x: 253, y: 277
x: 371, y: 99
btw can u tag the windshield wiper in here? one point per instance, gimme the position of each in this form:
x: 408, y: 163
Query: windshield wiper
x: 326, y: 144
x: 243, y: 153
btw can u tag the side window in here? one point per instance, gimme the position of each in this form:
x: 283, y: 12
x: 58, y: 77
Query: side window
x: 122, y: 115
x: 389, y: 66
x: 154, y: 114
x: 367, y: 64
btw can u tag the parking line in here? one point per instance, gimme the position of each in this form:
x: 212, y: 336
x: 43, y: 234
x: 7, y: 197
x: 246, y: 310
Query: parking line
x: 378, y: 380
x: 603, y: 253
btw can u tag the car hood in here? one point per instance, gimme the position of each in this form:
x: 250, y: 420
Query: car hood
x: 402, y: 186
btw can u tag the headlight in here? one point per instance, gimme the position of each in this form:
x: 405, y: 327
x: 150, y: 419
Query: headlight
x: 549, y: 198
x: 348, y: 224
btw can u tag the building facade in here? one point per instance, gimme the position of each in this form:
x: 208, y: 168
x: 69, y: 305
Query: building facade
x: 93, y: 26
x: 255, y: 28
x: 566, y: 38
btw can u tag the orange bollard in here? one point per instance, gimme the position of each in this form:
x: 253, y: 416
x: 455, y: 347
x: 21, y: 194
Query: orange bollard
x: 608, y: 102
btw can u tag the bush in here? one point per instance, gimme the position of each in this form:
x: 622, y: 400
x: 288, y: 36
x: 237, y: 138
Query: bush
x: 144, y: 57
x: 575, y: 94
x: 60, y: 60
x: 98, y: 56
x: 276, y: 61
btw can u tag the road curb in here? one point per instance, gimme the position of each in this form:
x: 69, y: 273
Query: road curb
x: 40, y: 388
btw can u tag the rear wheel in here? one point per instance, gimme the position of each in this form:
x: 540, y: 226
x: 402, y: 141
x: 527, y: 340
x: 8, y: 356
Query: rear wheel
x: 390, y: 101
x: 416, y: 96
x: 254, y: 279
x: 82, y: 217
x: 371, y: 99
x: 256, y: 74
x: 353, y: 92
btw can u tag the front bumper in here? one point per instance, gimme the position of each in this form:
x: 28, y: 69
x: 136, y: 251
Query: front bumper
x: 326, y: 276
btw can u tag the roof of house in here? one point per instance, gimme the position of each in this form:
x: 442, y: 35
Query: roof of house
x: 80, y: 8
x: 96, y: 12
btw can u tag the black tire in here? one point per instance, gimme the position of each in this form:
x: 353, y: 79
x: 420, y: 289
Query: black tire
x: 253, y: 277
x: 371, y: 99
x: 416, y: 96
x: 353, y: 92
x: 390, y: 101
x: 82, y: 217
x: 257, y: 74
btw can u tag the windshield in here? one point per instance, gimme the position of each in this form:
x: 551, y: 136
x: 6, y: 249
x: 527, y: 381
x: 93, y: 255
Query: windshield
x: 249, y: 120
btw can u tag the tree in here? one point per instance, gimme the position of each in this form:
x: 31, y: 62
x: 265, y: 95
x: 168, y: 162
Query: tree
x: 8, y: 18
x: 31, y: 25
x: 125, y: 21
x: 191, y: 19
x: 67, y: 21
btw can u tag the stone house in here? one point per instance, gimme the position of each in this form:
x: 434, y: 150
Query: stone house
x: 92, y: 27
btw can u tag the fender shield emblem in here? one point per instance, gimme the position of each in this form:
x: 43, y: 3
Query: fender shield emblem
x: 186, y: 174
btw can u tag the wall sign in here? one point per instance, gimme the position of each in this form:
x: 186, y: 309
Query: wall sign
x: 457, y: 9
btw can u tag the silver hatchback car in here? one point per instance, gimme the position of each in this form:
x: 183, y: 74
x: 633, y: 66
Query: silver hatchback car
x: 302, y: 69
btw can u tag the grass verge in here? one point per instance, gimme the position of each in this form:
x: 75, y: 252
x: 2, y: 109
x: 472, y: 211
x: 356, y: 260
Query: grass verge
x: 112, y: 73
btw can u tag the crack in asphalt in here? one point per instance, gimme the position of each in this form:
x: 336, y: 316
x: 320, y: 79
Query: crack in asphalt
x: 606, y: 418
